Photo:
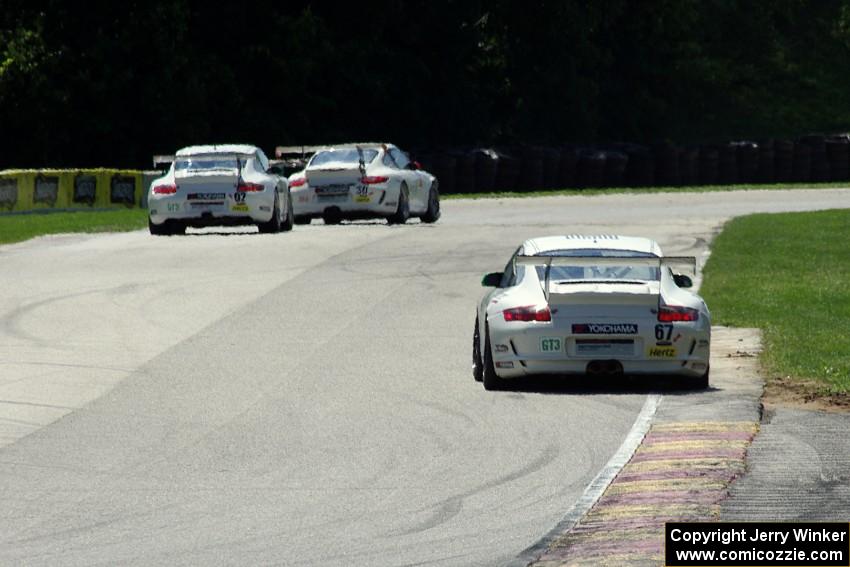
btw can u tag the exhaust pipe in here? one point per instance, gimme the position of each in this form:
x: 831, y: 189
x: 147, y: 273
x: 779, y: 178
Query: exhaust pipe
x: 604, y: 368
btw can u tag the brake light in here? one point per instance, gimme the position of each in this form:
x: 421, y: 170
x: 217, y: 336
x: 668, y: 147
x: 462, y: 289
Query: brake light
x: 528, y: 313
x: 165, y: 189
x: 671, y: 313
x: 373, y: 179
x: 298, y: 182
x: 245, y: 187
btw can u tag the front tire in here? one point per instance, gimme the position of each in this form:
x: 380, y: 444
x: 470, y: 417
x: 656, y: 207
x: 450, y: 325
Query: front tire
x: 403, y: 211
x: 432, y: 214
x: 477, y: 363
x: 491, y: 380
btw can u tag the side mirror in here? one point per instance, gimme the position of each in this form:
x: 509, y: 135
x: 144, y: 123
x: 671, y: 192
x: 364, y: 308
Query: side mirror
x: 416, y: 165
x: 493, y: 279
x: 683, y: 281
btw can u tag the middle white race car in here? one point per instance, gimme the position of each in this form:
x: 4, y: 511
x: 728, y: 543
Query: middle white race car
x: 362, y: 181
x: 591, y: 305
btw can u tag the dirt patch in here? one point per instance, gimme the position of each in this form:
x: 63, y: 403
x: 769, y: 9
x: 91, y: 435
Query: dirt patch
x: 803, y: 394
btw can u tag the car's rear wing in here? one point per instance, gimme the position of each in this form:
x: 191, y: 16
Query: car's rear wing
x: 689, y: 262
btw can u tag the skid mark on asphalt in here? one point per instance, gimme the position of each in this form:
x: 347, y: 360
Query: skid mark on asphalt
x: 680, y: 472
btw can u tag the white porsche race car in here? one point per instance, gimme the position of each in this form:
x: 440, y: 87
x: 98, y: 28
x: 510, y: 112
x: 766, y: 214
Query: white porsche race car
x: 361, y: 181
x: 219, y: 185
x: 591, y: 305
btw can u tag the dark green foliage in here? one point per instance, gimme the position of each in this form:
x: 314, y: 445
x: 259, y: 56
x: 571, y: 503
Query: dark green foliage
x: 104, y: 83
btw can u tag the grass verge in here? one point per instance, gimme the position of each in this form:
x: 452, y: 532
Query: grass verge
x: 16, y: 228
x: 788, y: 274
x: 641, y: 190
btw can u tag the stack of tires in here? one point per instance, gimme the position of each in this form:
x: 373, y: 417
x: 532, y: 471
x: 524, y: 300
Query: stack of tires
x: 802, y: 164
x: 838, y: 152
x: 640, y: 167
x: 486, y: 161
x: 591, y: 168
x: 667, y: 165
x: 783, y: 160
x: 766, y: 168
x: 728, y: 164
x: 507, y: 171
x: 567, y: 167
x: 746, y: 156
x: 820, y: 162
x: 709, y: 165
x: 689, y: 166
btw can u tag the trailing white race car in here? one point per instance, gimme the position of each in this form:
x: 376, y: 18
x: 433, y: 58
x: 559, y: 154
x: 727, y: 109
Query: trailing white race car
x: 360, y: 181
x: 591, y: 305
x: 219, y: 185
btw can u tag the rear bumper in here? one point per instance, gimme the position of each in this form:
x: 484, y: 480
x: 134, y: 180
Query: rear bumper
x: 255, y: 209
x: 519, y: 351
x: 378, y: 203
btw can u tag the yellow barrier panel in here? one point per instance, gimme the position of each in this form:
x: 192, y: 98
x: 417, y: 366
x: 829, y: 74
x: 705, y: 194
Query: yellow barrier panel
x: 70, y: 189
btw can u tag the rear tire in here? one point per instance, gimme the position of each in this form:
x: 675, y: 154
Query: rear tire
x: 273, y: 225
x: 432, y: 214
x: 403, y: 211
x: 303, y: 220
x: 491, y: 380
x: 168, y: 228
x: 332, y: 216
x: 290, y: 216
x: 699, y: 382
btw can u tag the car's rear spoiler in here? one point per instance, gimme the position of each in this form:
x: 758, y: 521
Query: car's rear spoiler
x: 590, y: 261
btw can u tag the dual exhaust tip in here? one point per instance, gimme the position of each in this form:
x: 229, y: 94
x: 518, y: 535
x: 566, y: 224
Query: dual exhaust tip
x: 604, y: 368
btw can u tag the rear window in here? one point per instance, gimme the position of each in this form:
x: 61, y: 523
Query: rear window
x: 348, y: 155
x: 626, y: 272
x: 205, y: 163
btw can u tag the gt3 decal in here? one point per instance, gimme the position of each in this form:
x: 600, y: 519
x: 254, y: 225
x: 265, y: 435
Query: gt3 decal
x: 605, y: 329
x: 551, y: 344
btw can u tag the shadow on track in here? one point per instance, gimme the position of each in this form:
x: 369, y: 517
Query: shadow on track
x: 579, y: 385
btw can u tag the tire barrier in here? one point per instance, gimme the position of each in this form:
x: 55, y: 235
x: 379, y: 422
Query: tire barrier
x: 814, y: 158
x: 45, y: 190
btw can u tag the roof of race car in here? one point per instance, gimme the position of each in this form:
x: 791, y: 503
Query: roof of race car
x: 363, y: 145
x: 544, y: 244
x: 217, y: 149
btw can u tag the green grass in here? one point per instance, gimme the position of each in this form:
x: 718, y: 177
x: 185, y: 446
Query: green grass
x: 629, y: 190
x: 788, y: 274
x: 15, y: 228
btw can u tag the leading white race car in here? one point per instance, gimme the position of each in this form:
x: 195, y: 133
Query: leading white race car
x: 359, y: 181
x: 219, y: 185
x: 591, y: 305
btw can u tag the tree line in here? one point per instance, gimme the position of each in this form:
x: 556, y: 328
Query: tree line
x: 104, y: 83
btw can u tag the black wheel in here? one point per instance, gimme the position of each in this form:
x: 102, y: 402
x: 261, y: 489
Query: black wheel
x: 332, y: 216
x: 489, y: 377
x: 477, y: 364
x: 168, y: 228
x: 158, y: 229
x: 432, y: 214
x: 699, y: 382
x: 403, y: 211
x: 302, y: 220
x: 290, y: 216
x: 273, y: 225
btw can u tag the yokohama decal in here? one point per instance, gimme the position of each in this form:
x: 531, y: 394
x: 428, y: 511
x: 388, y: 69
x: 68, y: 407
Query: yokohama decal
x: 605, y: 329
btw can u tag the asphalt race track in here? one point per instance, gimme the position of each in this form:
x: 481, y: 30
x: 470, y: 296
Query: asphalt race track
x: 301, y: 398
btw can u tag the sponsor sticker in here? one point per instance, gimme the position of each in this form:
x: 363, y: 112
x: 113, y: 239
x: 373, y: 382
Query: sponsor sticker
x: 205, y: 196
x: 240, y: 208
x: 661, y: 352
x: 551, y: 344
x: 605, y: 329
x: 362, y: 199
